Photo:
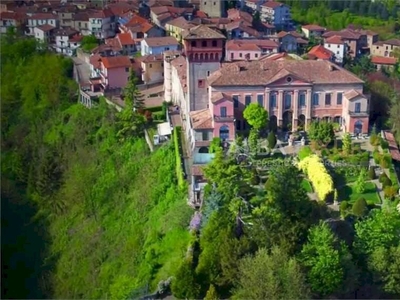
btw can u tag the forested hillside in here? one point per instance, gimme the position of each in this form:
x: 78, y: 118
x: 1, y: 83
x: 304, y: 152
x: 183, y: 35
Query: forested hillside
x: 87, y: 212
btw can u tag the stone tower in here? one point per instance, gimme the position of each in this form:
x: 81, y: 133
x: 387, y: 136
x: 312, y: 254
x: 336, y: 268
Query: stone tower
x: 203, y: 48
x: 213, y: 8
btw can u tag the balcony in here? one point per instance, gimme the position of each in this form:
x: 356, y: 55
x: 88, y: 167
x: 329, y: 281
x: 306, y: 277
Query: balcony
x: 224, y: 118
x: 361, y: 113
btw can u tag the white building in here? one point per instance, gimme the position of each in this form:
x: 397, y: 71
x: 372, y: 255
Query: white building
x: 277, y: 14
x: 336, y: 45
x: 40, y: 19
x: 102, y: 23
x: 44, y: 33
x: 67, y: 41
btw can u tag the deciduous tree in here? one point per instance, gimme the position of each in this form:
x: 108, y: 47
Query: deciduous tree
x: 256, y: 116
x: 321, y: 132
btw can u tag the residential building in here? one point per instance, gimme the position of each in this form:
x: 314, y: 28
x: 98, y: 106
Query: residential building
x: 338, y: 47
x: 320, y: 52
x: 124, y: 42
x: 249, y: 49
x: 66, y: 14
x: 288, y: 41
x: 357, y: 42
x: 110, y: 73
x: 139, y: 27
x: 239, y: 15
x: 81, y: 23
x: 312, y: 30
x: 385, y: 48
x: 382, y: 61
x: 160, y: 15
x: 241, y: 29
x: 152, y: 68
x: 44, y: 33
x: 67, y: 41
x: 102, y: 23
x: 158, y: 45
x: 40, y: 19
x: 11, y: 19
x: 277, y: 14
x: 177, y: 26
x: 213, y: 8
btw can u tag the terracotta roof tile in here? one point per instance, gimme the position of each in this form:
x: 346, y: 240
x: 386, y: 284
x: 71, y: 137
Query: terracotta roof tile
x: 125, y: 39
x: 236, y: 14
x: 180, y: 22
x: 201, y: 119
x: 394, y: 42
x: 116, y: 62
x: 114, y: 44
x: 335, y: 39
x: 301, y: 41
x: 45, y: 27
x: 202, y: 32
x: 345, y: 34
x: 381, y: 60
x: 43, y: 16
x: 272, y: 4
x: 350, y: 95
x: 219, y: 96
x: 233, y: 45
x: 161, y: 41
x: 152, y: 58
x: 201, y: 14
x: 321, y: 52
x: 393, y: 148
x: 196, y: 169
x: 180, y: 66
x: 95, y: 60
x: 314, y: 27
x: 260, y: 74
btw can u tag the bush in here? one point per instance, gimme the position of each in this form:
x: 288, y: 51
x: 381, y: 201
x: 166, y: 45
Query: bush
x: 371, y: 173
x: 386, y: 182
x: 325, y: 152
x: 374, y: 139
x: 377, y: 157
x: 177, y: 144
x: 271, y: 140
x: 360, y: 208
x: 344, y: 206
x: 385, y: 161
x: 390, y: 192
x: 383, y: 177
x: 384, y: 144
x: 304, y: 152
x: 215, y: 145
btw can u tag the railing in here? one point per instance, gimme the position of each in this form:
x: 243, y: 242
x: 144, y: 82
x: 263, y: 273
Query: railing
x: 359, y: 113
x: 224, y: 118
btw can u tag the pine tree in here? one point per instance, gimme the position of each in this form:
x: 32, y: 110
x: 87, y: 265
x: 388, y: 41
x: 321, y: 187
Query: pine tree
x: 211, y: 293
x: 132, y: 93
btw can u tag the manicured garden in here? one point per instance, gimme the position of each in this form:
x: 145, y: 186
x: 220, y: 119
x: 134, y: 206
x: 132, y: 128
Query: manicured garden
x: 349, y: 193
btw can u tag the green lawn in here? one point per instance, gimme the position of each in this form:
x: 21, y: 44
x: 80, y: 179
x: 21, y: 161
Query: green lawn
x: 348, y: 193
x: 306, y: 185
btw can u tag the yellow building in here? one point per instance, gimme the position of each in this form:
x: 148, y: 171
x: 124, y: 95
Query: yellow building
x: 176, y: 26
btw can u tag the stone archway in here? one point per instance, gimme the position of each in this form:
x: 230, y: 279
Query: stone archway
x: 301, y: 122
x: 358, y: 127
x: 326, y: 119
x: 287, y: 120
x: 273, y: 123
x: 336, y: 119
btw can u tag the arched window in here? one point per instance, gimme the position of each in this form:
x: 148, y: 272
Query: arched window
x: 216, y: 56
x: 206, y: 56
x: 201, y: 56
x: 196, y: 57
x: 211, y: 56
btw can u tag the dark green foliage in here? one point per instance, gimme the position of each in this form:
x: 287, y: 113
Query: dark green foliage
x: 178, y: 155
x: 360, y: 208
x: 133, y: 98
x: 271, y: 140
x: 89, y: 43
x: 321, y: 133
x: 184, y: 284
x: 371, y: 173
x: 344, y: 206
x: 215, y: 145
x: 383, y: 177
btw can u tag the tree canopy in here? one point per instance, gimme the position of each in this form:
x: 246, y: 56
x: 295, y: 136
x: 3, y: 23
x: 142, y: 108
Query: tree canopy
x: 256, y: 116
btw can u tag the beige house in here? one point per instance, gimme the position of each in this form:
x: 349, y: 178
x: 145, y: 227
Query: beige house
x: 385, y: 48
x: 152, y: 68
x: 312, y: 30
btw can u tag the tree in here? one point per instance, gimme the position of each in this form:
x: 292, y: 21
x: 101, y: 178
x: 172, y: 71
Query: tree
x: 215, y: 145
x: 270, y: 276
x: 89, y: 42
x: 321, y: 132
x: 132, y: 92
x: 360, y: 183
x: 256, y: 116
x: 347, y: 143
x: 328, y: 261
x: 211, y: 293
x: 253, y: 141
x: 360, y: 207
x: 271, y: 140
x: 184, y: 284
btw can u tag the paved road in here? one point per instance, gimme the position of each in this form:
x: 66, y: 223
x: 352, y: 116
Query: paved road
x: 83, y: 71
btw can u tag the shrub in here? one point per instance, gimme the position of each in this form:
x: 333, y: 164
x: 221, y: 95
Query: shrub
x: 344, y: 206
x: 325, y: 152
x: 390, y: 192
x: 177, y: 144
x: 215, y: 144
x: 386, y: 182
x: 383, y: 177
x: 360, y: 183
x: 360, y: 207
x: 371, y: 173
x: 384, y: 144
x: 271, y: 140
x: 374, y: 139
x: 377, y: 156
x: 304, y: 152
x: 385, y: 161
x: 322, y: 182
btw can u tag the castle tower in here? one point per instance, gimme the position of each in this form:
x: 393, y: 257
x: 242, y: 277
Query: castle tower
x: 203, y: 48
x: 213, y: 8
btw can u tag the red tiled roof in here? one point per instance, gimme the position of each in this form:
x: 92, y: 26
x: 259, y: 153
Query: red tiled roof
x: 101, y: 14
x: 152, y: 58
x: 201, y: 14
x: 272, y: 4
x: 180, y: 66
x: 45, y: 27
x: 125, y: 39
x: 95, y: 60
x: 116, y: 62
x: 201, y: 119
x: 43, y: 16
x: 250, y: 45
x: 313, y: 27
x: 393, y: 148
x: 321, y: 52
x: 381, y: 60
x: 335, y: 39
x: 76, y: 38
x: 161, y: 41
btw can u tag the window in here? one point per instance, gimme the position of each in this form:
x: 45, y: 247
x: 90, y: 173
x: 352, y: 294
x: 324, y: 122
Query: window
x: 315, y: 100
x: 200, y: 84
x: 238, y: 125
x: 288, y: 100
x: 150, y: 65
x: 358, y: 107
x: 205, y: 135
x: 247, y: 100
x: 214, y: 43
x: 327, y: 99
x: 272, y: 100
x: 222, y: 111
x: 166, y: 48
x: 338, y: 46
x: 126, y: 69
x: 215, y: 3
x: 256, y: 55
x: 232, y: 56
x: 240, y: 55
x: 302, y: 100
x: 235, y: 101
x: 204, y: 43
x: 339, y: 97
x: 208, y: 73
x: 205, y: 3
x: 260, y: 100
x: 193, y: 43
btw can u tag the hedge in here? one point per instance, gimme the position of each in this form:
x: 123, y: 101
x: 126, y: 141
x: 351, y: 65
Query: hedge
x: 155, y: 108
x: 177, y: 144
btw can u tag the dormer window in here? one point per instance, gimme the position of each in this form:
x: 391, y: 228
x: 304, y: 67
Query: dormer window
x: 204, y: 43
x: 193, y: 43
